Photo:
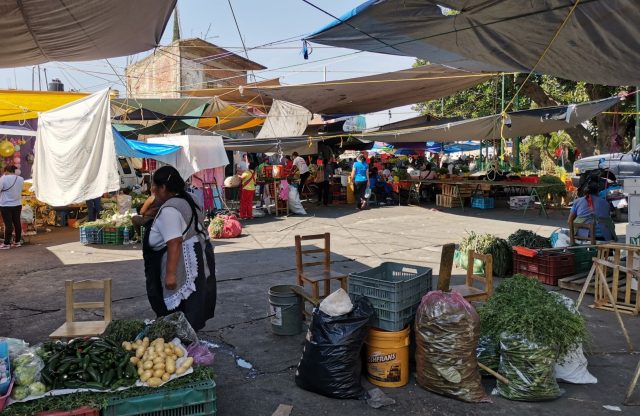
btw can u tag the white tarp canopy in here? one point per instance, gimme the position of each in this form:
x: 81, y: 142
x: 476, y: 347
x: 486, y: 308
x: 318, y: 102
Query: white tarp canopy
x: 198, y: 153
x: 285, y: 120
x: 75, y: 156
x: 37, y: 31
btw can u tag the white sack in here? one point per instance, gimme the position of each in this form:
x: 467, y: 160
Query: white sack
x: 295, y: 206
x: 26, y: 215
x: 336, y: 304
x: 75, y: 155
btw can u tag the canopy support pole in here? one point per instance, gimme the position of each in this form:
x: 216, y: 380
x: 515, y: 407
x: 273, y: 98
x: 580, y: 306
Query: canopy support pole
x: 516, y: 141
x: 637, y: 117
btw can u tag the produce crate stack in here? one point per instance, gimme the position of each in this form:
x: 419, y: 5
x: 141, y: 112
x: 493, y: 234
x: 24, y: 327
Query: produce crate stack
x: 584, y: 257
x: 546, y: 266
x: 115, y: 235
x: 481, y: 202
x: 90, y: 235
x: 394, y: 289
x: 452, y: 195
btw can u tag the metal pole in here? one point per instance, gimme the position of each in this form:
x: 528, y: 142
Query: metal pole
x: 39, y: 80
x: 516, y: 141
x: 499, y: 150
x: 637, y: 116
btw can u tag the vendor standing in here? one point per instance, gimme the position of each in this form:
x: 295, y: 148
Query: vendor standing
x: 11, y: 206
x: 247, y: 192
x: 302, y: 167
x: 178, y: 257
x: 360, y: 180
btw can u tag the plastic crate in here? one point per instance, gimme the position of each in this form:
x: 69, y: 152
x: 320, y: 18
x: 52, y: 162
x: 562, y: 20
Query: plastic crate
x: 584, y: 257
x: 394, y: 289
x: 547, y: 267
x: 115, y: 235
x: 90, y: 235
x: 194, y: 400
x: 81, y: 411
x: 483, y: 202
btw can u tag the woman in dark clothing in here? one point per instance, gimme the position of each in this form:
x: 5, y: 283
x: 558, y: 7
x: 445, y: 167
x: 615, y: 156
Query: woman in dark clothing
x: 178, y: 256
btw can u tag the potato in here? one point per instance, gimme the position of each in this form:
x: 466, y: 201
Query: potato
x: 174, y: 357
x: 154, y: 382
x: 166, y: 377
x: 157, y: 360
x: 158, y: 366
x: 158, y: 373
x: 178, y: 352
x: 146, y: 375
x: 187, y: 363
x: 147, y: 365
x: 134, y: 360
x: 168, y: 350
x: 139, y: 352
x: 152, y: 355
x: 140, y: 371
x: 127, y: 345
x: 159, y: 347
x: 170, y: 367
x: 181, y: 370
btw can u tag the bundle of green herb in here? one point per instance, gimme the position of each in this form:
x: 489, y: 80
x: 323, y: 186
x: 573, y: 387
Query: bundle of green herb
x: 499, y: 249
x: 529, y: 239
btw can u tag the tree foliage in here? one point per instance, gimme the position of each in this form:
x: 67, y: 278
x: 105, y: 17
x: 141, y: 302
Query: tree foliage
x: 603, y: 134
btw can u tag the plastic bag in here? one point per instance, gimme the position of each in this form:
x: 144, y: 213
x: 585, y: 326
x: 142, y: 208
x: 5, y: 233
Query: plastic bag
x: 174, y: 325
x: 201, y: 353
x: 336, y: 304
x: 529, y: 367
x: 295, y: 206
x: 330, y: 363
x: 26, y: 215
x: 560, y: 238
x: 462, y: 261
x: 572, y: 368
x: 124, y: 203
x: 447, y: 330
x: 488, y: 353
x: 26, y: 370
x: 16, y: 346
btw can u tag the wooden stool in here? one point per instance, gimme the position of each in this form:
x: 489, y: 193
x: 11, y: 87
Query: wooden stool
x: 468, y: 291
x: 315, y: 276
x: 72, y: 328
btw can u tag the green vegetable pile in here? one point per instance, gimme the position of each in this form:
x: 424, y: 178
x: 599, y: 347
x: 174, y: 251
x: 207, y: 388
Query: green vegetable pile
x: 101, y: 401
x: 529, y: 239
x: 499, y: 249
x: 216, y: 227
x: 522, y: 306
x: 87, y: 363
x: 555, y: 186
x: 122, y: 330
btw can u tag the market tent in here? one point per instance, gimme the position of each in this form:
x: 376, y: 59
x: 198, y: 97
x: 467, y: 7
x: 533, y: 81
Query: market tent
x: 516, y: 124
x: 134, y: 148
x: 197, y: 153
x: 507, y: 35
x: 285, y: 120
x: 37, y: 31
x: 302, y: 145
x: 245, y: 94
x: 377, y: 92
x: 467, y: 146
x: 75, y: 157
x: 23, y: 105
x: 221, y: 115
x: 157, y: 108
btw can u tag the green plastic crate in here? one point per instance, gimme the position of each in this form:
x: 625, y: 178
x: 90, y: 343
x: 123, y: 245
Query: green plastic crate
x: 115, y: 235
x: 584, y: 257
x: 197, y: 399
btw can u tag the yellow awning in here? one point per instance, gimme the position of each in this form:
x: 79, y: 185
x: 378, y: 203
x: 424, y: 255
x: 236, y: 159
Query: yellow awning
x: 16, y: 105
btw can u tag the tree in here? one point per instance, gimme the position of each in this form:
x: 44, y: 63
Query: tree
x: 605, y: 132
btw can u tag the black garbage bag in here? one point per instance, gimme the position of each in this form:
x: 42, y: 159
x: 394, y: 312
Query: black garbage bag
x: 330, y: 363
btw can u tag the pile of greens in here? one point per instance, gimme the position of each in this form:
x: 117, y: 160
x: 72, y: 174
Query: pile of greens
x: 555, y: 186
x: 499, y: 249
x: 122, y: 330
x: 101, y: 401
x: 522, y: 306
x: 529, y: 239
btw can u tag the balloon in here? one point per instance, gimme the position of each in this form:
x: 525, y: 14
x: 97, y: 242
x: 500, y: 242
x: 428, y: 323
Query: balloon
x: 17, y: 147
x: 16, y: 161
x: 6, y: 148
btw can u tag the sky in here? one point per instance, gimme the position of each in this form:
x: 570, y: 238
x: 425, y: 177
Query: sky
x: 260, y: 22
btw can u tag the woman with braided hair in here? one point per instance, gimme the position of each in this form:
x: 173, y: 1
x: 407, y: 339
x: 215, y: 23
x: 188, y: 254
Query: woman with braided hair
x: 591, y: 209
x: 178, y: 256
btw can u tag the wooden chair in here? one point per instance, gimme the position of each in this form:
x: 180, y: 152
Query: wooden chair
x: 575, y: 227
x: 315, y: 276
x: 468, y: 291
x: 446, y: 266
x: 72, y: 328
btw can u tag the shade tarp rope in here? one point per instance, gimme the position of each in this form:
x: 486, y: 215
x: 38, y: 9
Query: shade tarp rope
x: 595, y: 45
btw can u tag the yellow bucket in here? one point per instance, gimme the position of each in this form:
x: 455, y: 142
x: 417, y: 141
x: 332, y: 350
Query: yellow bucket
x: 388, y: 357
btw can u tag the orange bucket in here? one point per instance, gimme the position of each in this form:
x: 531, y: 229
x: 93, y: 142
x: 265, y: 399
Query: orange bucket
x: 387, y: 354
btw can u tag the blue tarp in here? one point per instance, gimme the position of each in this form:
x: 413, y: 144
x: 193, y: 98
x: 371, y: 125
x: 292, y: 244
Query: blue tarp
x: 133, y: 148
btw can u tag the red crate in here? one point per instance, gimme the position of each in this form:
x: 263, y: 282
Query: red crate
x: 81, y: 411
x: 530, y: 179
x: 547, y: 267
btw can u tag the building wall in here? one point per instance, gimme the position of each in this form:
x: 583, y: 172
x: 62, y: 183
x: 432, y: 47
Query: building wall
x: 156, y: 76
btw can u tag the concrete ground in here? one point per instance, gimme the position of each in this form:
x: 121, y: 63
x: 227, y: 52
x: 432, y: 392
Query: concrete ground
x: 32, y: 305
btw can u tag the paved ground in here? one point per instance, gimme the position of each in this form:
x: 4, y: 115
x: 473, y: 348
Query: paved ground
x: 32, y: 304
